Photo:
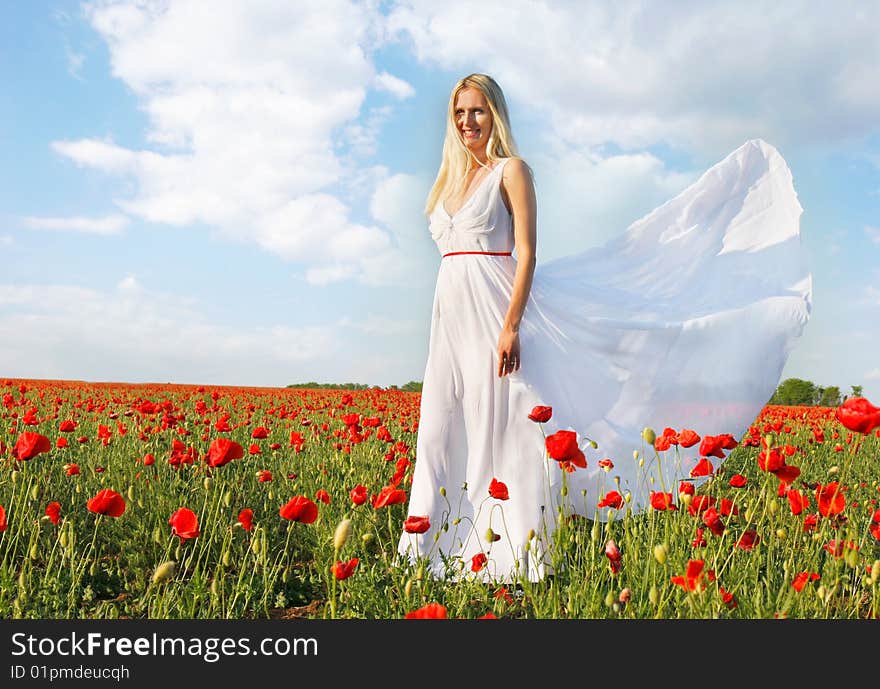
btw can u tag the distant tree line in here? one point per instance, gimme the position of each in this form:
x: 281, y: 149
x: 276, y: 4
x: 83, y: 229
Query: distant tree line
x: 798, y: 392
x: 411, y: 386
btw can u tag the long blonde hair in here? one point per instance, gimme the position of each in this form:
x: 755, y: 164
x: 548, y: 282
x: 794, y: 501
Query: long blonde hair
x: 457, y: 158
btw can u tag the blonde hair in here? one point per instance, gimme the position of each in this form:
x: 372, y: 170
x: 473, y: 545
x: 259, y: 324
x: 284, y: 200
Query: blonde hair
x: 457, y: 158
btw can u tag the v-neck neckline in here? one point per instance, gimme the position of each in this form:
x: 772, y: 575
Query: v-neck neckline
x: 472, y: 194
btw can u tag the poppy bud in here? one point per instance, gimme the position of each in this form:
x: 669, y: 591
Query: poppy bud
x: 255, y: 544
x: 649, y: 435
x: 563, y: 491
x: 627, y: 497
x: 768, y: 440
x: 227, y: 498
x: 15, y: 476
x: 609, y: 598
x: 407, y: 590
x: 340, y: 536
x: 164, y: 572
x: 63, y: 538
x: 653, y: 595
x: 594, y: 444
x: 130, y: 492
x: 93, y: 570
x: 215, y: 587
x: 208, y: 482
x: 781, y: 533
x: 490, y: 535
x: 773, y: 507
x: 157, y: 535
x: 875, y: 572
x: 852, y: 558
x: 34, y: 551
x: 443, y: 491
x: 594, y: 533
x: 420, y: 572
x: 456, y: 521
x: 226, y: 559
x: 635, y: 455
x: 661, y: 552
x: 530, y: 535
x: 615, y: 606
x: 35, y: 491
x: 833, y: 470
x: 367, y: 538
x: 685, y: 498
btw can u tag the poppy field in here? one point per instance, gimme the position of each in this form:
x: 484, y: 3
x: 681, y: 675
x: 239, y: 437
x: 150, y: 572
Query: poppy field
x: 174, y: 501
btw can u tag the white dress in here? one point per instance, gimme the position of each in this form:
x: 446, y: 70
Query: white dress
x: 685, y: 320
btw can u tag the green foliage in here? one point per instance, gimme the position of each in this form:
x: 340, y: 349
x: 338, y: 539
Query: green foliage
x: 798, y: 392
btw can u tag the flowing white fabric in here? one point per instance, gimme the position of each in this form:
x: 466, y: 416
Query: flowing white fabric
x: 685, y: 320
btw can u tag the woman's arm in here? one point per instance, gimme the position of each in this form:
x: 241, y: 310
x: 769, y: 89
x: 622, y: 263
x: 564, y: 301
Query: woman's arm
x: 516, y: 181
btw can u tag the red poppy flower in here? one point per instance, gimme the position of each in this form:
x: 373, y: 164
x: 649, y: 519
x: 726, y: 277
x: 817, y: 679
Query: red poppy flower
x: 149, y: 460
x: 254, y: 449
x: 738, y: 481
x: 836, y: 548
x: 748, y: 540
x: 688, y: 438
x: 431, y: 611
x: 488, y: 616
x: 264, y: 476
x: 299, y: 509
x: 563, y: 447
x: 612, y: 499
x: 797, y: 501
x: 358, y: 494
x: 727, y: 598
x: 260, y: 432
x: 541, y: 414
x: 700, y: 503
x: 693, y: 579
x: 61, y: 443
x: 715, y: 444
x: 246, y: 519
x: 223, y: 451
x: 787, y: 474
x: 612, y: 552
x: 858, y: 414
x: 686, y: 487
x: 3, y: 523
x: 771, y: 460
x: 389, y: 495
x: 830, y: 499
x: 67, y: 426
x: 184, y: 524
x: 343, y: 570
x: 323, y: 496
x: 703, y: 468
x: 727, y: 507
x: 498, y: 490
x: 71, y: 469
x: 699, y: 541
x: 606, y: 464
x: 662, y: 443
x: 874, y: 526
x: 713, y: 521
x: 478, y: 561
x: 415, y: 524
x: 811, y: 521
x: 107, y: 502
x: 671, y: 435
x: 53, y: 511
x: 801, y: 580
x: 662, y: 501
x: 29, y: 445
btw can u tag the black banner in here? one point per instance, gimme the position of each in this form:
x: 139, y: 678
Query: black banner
x: 132, y: 652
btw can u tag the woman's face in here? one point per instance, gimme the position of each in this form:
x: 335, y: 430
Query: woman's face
x: 473, y: 119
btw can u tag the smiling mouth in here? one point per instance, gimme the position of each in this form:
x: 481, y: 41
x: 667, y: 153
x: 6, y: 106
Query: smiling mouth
x: 472, y: 134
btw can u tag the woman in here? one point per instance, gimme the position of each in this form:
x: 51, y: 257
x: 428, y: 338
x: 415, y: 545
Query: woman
x: 685, y: 320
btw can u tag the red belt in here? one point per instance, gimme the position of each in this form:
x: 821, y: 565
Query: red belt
x: 480, y: 253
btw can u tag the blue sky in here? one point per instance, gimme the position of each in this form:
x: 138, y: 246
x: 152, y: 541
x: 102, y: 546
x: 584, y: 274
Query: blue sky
x: 231, y: 193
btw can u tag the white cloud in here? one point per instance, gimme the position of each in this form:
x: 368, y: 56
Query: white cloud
x: 75, y: 62
x: 6, y: 240
x: 394, y: 85
x: 705, y: 75
x: 135, y: 333
x: 246, y: 104
x: 873, y: 233
x: 108, y: 225
x: 873, y: 374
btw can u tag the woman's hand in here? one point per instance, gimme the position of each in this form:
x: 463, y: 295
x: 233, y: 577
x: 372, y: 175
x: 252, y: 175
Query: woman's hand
x: 508, y: 352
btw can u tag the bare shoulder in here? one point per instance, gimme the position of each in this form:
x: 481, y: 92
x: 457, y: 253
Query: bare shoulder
x: 516, y: 169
